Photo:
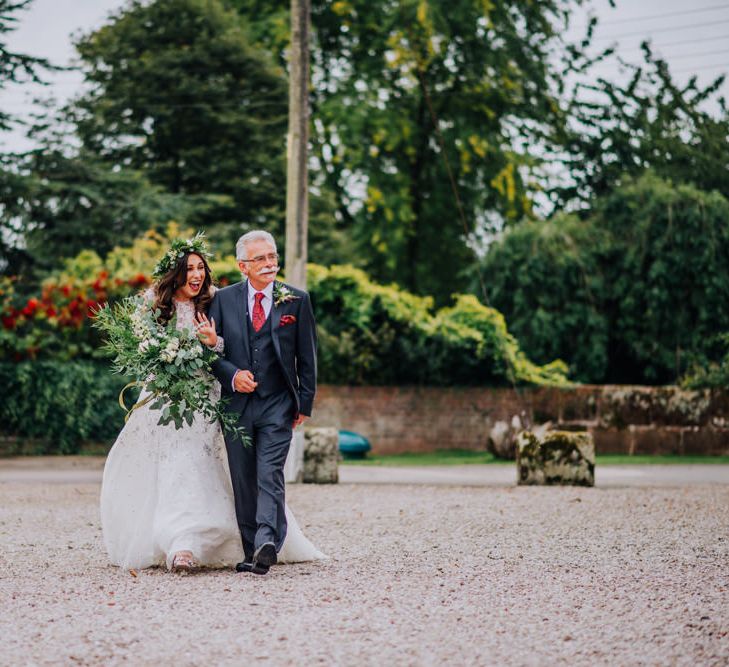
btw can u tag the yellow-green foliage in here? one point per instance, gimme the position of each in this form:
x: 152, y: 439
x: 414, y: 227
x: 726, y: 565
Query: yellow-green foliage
x: 378, y: 334
x: 123, y: 262
x: 127, y: 262
x: 369, y: 333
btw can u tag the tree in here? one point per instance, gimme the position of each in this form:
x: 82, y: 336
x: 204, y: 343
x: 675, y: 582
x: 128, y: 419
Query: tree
x: 634, y: 293
x: 650, y: 123
x: 546, y: 277
x: 16, y: 67
x: 405, y: 92
x: 55, y: 204
x: 668, y: 271
x: 179, y: 93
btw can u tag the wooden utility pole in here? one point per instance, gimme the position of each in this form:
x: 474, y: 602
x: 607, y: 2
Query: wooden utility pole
x: 297, y: 199
x: 297, y: 182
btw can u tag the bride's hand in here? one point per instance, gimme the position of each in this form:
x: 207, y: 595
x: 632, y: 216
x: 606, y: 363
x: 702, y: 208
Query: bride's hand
x: 206, y: 330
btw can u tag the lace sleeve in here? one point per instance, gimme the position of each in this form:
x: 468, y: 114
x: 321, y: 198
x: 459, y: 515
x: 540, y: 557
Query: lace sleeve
x: 219, y: 347
x: 149, y: 295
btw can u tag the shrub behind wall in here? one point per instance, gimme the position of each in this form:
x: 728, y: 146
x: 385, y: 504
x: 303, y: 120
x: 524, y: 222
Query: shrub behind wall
x: 60, y: 404
x: 383, y: 335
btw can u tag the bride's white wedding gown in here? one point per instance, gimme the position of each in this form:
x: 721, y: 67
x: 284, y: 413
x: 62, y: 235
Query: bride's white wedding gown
x: 166, y: 490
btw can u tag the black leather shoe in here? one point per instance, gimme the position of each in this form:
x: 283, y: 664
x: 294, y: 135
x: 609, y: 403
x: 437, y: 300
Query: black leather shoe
x: 265, y: 555
x: 254, y: 568
x: 261, y: 561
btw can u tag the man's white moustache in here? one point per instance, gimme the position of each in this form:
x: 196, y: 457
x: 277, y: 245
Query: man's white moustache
x: 265, y: 272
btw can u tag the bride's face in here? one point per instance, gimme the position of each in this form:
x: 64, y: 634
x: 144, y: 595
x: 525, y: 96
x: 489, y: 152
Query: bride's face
x: 195, y: 278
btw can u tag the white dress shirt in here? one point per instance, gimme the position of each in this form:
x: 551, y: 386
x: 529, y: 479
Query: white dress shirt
x: 266, y: 302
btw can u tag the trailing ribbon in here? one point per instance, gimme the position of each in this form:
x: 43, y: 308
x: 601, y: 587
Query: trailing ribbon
x: 138, y: 404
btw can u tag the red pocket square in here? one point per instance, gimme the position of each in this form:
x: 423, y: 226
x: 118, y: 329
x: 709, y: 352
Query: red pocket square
x: 287, y: 319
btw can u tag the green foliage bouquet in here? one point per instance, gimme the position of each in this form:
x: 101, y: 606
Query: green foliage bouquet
x: 172, y: 365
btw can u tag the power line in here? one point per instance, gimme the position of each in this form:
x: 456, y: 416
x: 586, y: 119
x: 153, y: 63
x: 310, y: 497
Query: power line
x: 653, y: 17
x: 699, y: 70
x: 679, y: 56
x: 693, y: 41
x: 683, y: 56
x: 648, y: 32
x: 696, y: 69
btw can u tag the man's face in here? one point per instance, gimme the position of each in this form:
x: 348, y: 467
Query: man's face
x: 261, y: 265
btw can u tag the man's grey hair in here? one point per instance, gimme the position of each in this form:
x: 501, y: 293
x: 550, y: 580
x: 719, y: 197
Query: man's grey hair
x: 241, y: 251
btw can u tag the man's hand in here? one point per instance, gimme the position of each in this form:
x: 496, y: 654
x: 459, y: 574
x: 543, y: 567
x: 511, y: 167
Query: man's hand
x: 244, y: 382
x: 299, y: 419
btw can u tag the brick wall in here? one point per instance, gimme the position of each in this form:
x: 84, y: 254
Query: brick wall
x: 622, y: 419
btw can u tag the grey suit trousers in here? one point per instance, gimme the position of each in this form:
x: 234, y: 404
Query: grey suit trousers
x: 257, y: 472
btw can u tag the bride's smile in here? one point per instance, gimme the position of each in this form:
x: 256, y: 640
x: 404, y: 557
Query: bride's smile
x: 195, y: 278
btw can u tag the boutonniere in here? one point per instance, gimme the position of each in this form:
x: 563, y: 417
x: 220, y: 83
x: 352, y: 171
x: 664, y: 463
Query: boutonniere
x: 282, y: 294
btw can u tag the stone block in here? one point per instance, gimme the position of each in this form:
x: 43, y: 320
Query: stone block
x: 321, y: 456
x: 502, y: 438
x: 560, y: 458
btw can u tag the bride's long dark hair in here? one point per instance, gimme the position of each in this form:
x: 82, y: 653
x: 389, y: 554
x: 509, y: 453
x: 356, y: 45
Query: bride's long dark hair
x: 175, y: 278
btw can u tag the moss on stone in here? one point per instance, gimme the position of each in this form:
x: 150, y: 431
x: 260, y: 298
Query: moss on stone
x: 561, y: 458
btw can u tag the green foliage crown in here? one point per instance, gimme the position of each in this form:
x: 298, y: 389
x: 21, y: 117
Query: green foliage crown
x: 180, y: 248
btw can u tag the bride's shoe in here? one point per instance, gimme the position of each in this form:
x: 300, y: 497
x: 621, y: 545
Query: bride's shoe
x: 183, y: 562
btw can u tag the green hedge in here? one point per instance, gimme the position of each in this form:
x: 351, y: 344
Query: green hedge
x: 60, y: 404
x: 544, y: 276
x: 382, y: 335
x: 369, y: 334
x: 713, y: 375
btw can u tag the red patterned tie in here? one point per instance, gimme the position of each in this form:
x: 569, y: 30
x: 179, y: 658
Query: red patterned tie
x: 259, y: 316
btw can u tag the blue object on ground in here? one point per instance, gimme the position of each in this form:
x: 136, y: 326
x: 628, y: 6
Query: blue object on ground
x: 353, y: 445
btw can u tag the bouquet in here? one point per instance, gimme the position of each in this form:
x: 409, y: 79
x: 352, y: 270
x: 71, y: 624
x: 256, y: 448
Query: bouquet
x: 171, y: 364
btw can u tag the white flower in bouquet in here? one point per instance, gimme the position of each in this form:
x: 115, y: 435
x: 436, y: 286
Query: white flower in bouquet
x: 173, y: 366
x: 170, y: 351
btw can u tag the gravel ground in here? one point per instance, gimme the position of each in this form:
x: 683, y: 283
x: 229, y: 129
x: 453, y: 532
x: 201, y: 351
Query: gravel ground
x: 419, y: 575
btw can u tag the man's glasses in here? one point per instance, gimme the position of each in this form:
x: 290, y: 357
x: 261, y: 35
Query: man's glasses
x: 271, y: 257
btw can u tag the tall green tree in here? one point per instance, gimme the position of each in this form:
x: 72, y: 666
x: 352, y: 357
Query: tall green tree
x: 16, y: 67
x: 678, y: 132
x: 53, y: 204
x: 634, y: 293
x: 178, y: 92
x: 403, y: 91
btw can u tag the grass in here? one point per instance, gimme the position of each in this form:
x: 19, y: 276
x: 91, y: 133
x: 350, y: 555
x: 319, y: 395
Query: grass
x: 441, y: 457
x: 445, y: 457
x: 623, y: 459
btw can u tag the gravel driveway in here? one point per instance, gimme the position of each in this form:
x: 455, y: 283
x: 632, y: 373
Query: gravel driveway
x: 419, y: 575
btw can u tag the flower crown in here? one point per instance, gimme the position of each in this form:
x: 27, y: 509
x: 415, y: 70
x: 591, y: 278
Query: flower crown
x: 180, y: 248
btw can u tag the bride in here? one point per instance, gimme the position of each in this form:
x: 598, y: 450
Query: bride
x: 166, y: 495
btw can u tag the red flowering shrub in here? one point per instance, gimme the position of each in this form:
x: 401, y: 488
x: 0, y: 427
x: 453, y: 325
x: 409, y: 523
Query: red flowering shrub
x: 57, y: 324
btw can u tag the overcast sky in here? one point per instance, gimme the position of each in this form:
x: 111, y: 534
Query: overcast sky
x: 693, y: 37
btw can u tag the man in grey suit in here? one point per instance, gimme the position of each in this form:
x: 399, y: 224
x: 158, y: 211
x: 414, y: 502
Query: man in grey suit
x: 268, y: 373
